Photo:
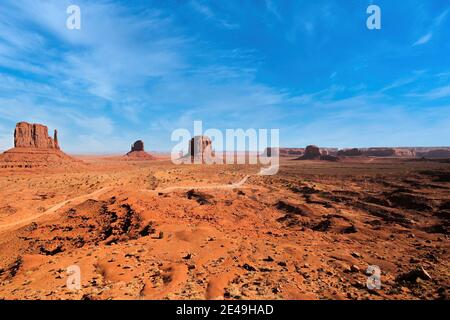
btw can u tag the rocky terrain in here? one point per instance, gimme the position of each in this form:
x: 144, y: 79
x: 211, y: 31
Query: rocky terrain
x: 153, y: 230
x: 150, y: 229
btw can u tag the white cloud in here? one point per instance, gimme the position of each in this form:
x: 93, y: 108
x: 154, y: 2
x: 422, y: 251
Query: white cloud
x: 424, y: 39
x: 435, y: 25
x: 437, y: 93
x: 271, y: 7
x: 399, y: 83
x: 208, y: 13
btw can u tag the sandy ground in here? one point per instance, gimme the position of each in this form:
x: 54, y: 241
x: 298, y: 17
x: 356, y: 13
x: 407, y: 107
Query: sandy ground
x: 153, y: 230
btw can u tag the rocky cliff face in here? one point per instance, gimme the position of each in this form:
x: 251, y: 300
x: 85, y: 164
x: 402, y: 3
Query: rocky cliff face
x: 33, y: 148
x: 29, y: 135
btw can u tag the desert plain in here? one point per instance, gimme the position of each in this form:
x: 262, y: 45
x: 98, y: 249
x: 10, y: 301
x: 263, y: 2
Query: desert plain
x: 150, y: 229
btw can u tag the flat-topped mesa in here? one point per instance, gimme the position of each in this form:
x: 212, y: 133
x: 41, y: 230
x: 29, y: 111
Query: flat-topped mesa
x: 27, y: 135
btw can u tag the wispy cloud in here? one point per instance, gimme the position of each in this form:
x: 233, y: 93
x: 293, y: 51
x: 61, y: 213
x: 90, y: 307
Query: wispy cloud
x: 272, y: 8
x: 435, y: 24
x: 209, y: 14
x: 424, y: 39
x: 437, y: 93
x: 137, y: 70
x: 404, y: 81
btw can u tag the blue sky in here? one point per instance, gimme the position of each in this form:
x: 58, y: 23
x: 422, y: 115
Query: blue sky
x: 140, y: 69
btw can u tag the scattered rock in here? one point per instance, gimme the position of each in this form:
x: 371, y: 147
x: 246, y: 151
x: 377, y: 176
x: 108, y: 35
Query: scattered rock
x: 11, y: 270
x: 289, y: 208
x: 413, y: 275
x: 52, y: 250
x: 200, y: 197
x: 351, y: 229
x: 354, y: 268
x: 248, y: 267
x: 188, y: 256
x: 409, y: 201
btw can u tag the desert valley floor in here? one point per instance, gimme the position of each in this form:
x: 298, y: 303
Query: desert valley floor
x: 154, y: 230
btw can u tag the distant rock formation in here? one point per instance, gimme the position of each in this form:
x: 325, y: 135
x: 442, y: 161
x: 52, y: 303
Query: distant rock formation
x: 436, y: 154
x: 311, y: 153
x: 354, y: 152
x: 295, y: 152
x: 378, y: 152
x: 405, y: 153
x: 333, y: 154
x: 138, y: 152
x: 199, y: 145
x: 137, y: 146
x: 34, y: 148
x: 283, y: 152
x: 314, y: 153
x: 27, y: 135
x: 200, y: 149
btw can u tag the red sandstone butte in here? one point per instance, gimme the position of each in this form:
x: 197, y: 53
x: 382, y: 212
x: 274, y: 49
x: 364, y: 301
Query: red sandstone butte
x: 138, y: 152
x: 200, y: 149
x: 29, y: 135
x: 33, y: 147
